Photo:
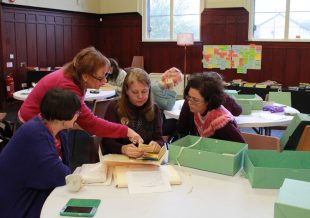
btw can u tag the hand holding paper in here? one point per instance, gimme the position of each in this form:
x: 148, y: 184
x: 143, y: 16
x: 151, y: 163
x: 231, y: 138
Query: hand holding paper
x: 131, y: 150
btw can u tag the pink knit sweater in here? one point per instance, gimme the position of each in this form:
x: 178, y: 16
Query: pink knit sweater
x: 87, y: 120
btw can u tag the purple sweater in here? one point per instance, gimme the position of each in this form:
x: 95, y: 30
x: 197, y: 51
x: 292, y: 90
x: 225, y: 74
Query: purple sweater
x: 186, y: 126
x: 147, y: 130
x: 30, y: 169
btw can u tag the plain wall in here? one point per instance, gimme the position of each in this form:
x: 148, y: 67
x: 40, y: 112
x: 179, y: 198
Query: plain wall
x: 115, y: 6
x: 89, y: 6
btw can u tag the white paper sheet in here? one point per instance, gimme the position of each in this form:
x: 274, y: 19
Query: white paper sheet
x: 148, y: 182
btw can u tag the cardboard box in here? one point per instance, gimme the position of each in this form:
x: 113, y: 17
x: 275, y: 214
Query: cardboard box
x: 293, y: 200
x: 255, y: 100
x: 268, y: 169
x: 213, y: 155
x: 292, y: 134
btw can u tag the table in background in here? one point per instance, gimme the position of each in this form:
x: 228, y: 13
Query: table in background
x: 298, y: 97
x: 256, y: 119
x: 213, y: 195
x: 23, y: 94
x: 33, y: 76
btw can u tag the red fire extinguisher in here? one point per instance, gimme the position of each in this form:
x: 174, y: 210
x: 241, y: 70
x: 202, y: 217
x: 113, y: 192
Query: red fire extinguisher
x: 9, y: 82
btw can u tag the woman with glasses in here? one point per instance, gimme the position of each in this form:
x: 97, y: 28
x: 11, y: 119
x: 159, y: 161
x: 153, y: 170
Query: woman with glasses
x: 203, y: 114
x: 135, y: 109
x: 87, y: 70
x: 36, y: 159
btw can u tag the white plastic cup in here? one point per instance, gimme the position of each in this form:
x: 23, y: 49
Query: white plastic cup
x: 74, y: 182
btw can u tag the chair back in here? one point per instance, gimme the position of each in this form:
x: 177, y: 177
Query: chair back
x: 100, y: 108
x: 256, y: 141
x: 137, y: 61
x: 281, y: 98
x: 304, y: 142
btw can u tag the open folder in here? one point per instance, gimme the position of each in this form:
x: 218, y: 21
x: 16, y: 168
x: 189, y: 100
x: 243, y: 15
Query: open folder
x: 120, y: 159
x: 121, y: 180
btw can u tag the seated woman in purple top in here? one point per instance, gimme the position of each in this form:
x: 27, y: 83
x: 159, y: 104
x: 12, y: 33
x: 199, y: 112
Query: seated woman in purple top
x: 36, y: 159
x: 203, y: 114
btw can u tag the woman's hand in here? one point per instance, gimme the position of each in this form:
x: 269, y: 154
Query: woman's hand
x: 131, y: 150
x: 134, y: 137
x: 157, y: 147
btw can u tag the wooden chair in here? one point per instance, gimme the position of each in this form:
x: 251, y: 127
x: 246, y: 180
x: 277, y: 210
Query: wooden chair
x: 93, y: 142
x: 99, y: 109
x: 256, y: 141
x: 304, y: 142
x: 137, y: 61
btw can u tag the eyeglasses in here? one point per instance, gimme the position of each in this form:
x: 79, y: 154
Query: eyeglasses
x: 100, y: 79
x: 193, y: 99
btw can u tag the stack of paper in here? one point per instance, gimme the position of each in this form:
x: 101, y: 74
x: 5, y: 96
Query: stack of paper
x: 94, y: 173
x: 121, y: 179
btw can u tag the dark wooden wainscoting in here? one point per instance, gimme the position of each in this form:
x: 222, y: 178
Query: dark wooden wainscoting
x: 42, y: 38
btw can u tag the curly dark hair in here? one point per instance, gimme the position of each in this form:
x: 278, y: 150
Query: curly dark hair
x: 209, y: 87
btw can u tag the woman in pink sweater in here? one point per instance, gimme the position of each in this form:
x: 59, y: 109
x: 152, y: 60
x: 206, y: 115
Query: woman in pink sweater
x: 86, y: 70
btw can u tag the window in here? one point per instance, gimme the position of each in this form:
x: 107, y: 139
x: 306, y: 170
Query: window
x: 164, y: 19
x: 280, y: 20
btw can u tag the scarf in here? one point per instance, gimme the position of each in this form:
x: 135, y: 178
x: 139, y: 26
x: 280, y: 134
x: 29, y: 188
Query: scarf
x: 212, y: 121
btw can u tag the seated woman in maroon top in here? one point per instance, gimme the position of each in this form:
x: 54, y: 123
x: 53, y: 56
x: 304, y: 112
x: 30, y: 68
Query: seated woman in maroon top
x: 203, y: 114
x: 136, y: 109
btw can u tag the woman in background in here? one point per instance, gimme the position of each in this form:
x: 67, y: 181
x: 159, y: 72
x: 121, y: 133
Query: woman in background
x: 135, y: 109
x: 164, y: 91
x: 229, y: 103
x: 87, y: 70
x: 116, y: 76
x: 36, y: 159
x: 203, y: 114
x: 165, y: 96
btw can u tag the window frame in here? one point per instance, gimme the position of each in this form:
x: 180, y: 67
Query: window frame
x: 286, y: 26
x: 144, y: 23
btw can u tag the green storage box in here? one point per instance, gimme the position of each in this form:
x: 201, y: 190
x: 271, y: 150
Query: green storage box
x: 232, y: 93
x: 268, y: 169
x: 255, y: 100
x: 246, y: 107
x: 293, y: 132
x: 293, y: 200
x: 213, y: 155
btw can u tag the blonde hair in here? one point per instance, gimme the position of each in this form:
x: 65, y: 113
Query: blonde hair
x: 135, y: 75
x: 88, y: 60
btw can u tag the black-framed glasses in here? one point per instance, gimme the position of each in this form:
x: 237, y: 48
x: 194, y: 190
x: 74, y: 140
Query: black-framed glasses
x: 193, y: 99
x: 100, y: 79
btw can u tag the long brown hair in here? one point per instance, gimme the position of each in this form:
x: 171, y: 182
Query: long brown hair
x: 88, y: 60
x: 135, y: 75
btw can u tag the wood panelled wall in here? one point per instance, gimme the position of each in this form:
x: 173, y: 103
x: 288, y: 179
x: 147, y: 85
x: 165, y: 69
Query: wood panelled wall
x: 39, y: 37
x: 285, y: 62
x: 43, y: 38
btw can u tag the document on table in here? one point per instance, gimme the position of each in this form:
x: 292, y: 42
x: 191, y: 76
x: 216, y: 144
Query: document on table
x: 147, y: 182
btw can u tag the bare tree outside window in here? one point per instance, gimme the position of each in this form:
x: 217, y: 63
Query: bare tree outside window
x: 165, y: 19
x: 281, y: 19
